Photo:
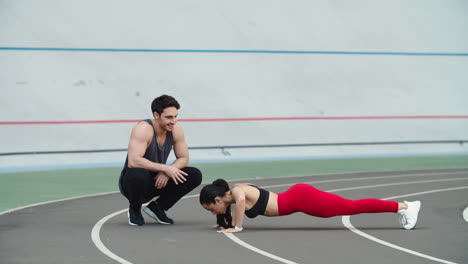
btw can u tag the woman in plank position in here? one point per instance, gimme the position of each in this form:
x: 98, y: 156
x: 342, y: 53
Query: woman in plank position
x: 253, y: 201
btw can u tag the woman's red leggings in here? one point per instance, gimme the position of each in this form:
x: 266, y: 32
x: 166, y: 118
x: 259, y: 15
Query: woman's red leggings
x: 307, y: 199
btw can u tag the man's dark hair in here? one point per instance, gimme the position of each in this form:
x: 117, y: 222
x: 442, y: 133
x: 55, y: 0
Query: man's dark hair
x: 162, y: 102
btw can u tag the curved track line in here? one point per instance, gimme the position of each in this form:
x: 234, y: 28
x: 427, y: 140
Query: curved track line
x: 259, y: 251
x: 346, y: 222
x: 394, y: 184
x: 465, y: 214
x: 98, y: 243
x: 53, y: 201
x: 270, y: 186
x: 95, y: 233
x: 96, y: 238
x: 369, y: 178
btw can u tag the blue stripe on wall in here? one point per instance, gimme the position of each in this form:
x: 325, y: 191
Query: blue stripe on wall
x: 241, y: 51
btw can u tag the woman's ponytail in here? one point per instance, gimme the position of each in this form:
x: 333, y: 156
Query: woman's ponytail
x: 221, y: 183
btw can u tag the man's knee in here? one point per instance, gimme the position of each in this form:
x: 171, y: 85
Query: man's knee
x: 194, y: 177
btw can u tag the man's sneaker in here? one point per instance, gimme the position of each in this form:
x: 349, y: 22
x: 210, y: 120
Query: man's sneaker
x: 135, y: 217
x: 409, y: 216
x: 156, y: 212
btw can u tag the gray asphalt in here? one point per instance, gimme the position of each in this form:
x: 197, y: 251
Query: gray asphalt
x: 60, y: 232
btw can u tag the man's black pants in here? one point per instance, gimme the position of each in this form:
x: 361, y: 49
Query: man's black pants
x: 138, y: 186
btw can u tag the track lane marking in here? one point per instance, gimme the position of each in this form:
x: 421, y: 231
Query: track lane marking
x: 53, y: 201
x: 104, y: 249
x: 465, y: 214
x: 95, y: 233
x: 262, y: 252
x: 96, y: 238
x: 347, y: 222
x: 359, y: 179
x: 257, y: 250
x: 270, y: 186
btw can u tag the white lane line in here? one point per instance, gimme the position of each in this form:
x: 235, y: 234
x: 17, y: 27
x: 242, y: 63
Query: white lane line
x: 346, y: 222
x: 465, y: 214
x: 54, y: 201
x: 95, y: 232
x: 408, y: 174
x: 397, y: 183
x: 377, y: 185
x: 96, y: 238
x: 257, y: 250
x: 371, y: 178
x: 268, y: 186
x: 262, y: 252
x: 271, y: 186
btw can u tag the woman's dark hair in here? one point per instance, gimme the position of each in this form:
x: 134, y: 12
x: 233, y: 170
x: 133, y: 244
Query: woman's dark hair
x: 160, y: 103
x: 218, y: 188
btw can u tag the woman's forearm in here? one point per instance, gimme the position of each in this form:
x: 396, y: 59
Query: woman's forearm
x: 239, y: 210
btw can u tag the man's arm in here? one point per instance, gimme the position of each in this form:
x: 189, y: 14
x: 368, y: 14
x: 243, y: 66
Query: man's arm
x: 181, y: 153
x: 140, y: 137
x: 180, y: 148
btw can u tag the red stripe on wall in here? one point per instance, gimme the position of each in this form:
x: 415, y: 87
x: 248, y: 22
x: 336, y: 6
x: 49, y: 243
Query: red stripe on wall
x: 236, y: 119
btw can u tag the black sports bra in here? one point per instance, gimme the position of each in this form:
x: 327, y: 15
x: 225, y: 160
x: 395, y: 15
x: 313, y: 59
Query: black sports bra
x: 260, y: 206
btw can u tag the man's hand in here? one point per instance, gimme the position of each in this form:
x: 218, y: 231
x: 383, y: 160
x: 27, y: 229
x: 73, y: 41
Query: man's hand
x: 175, y: 174
x: 161, y: 180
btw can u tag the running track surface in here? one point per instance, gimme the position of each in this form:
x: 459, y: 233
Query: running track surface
x: 95, y: 229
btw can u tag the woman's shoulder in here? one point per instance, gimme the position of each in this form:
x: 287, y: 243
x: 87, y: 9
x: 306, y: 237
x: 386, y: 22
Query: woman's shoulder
x: 244, y: 188
x: 250, y: 191
x: 244, y: 185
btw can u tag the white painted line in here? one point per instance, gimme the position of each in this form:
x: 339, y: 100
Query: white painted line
x: 346, y: 221
x: 364, y: 178
x: 271, y: 186
x: 95, y: 232
x: 53, y: 201
x: 398, y: 183
x: 465, y: 214
x: 262, y: 252
x: 106, y: 251
x: 95, y: 237
x: 257, y: 250
x: 409, y: 174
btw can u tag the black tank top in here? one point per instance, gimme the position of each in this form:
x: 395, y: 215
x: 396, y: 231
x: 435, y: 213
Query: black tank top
x: 261, y: 204
x: 154, y: 152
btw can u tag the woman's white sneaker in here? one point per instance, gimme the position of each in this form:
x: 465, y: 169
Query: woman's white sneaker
x: 409, y: 216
